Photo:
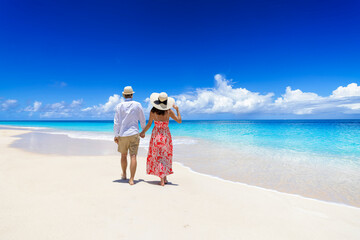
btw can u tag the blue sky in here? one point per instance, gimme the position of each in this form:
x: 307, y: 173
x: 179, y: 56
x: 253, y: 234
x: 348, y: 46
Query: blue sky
x: 71, y: 59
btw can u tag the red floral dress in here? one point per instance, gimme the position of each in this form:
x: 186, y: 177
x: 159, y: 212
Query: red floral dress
x: 159, y: 159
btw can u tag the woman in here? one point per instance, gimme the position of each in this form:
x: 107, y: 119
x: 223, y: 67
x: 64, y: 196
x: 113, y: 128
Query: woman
x: 159, y: 159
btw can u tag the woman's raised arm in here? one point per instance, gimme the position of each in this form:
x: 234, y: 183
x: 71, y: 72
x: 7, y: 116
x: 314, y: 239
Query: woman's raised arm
x: 173, y: 116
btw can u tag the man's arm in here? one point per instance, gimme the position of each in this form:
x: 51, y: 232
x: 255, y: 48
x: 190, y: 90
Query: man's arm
x: 117, y: 121
x: 142, y: 117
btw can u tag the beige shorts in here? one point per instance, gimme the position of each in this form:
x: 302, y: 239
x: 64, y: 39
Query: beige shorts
x: 129, y: 143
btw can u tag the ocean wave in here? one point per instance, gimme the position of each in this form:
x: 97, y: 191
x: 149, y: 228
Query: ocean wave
x: 84, y: 135
x: 24, y: 127
x: 110, y: 137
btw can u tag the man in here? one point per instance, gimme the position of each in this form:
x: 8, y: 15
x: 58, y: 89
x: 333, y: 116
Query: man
x: 126, y: 129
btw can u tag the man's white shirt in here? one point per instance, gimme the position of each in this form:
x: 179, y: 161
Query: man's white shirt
x: 127, y: 117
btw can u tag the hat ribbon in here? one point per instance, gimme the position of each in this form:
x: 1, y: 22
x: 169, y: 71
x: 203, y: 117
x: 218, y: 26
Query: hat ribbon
x: 163, y: 102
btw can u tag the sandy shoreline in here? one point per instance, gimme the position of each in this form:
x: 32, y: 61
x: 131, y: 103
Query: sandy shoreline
x: 81, y: 197
x: 284, y: 171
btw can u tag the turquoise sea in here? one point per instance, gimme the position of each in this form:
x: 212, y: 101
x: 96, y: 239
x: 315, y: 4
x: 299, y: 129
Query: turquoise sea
x: 328, y: 137
x: 313, y: 158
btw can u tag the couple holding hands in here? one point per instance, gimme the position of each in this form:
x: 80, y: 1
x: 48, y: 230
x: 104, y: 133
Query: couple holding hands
x: 128, y: 114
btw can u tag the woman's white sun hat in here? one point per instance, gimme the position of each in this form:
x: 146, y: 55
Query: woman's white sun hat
x: 128, y: 90
x: 161, y: 101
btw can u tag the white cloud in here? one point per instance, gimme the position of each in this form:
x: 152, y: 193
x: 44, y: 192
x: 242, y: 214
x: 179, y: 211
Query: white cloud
x: 344, y: 100
x: 351, y: 90
x: 297, y: 96
x: 296, y: 102
x: 223, y: 98
x: 107, y: 108
x: 149, y: 106
x: 76, y: 103
x: 55, y: 110
x: 352, y: 106
x: 8, y: 104
x: 34, y: 108
x: 37, y: 106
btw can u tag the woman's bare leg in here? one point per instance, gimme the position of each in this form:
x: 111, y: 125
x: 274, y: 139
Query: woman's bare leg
x: 162, y: 181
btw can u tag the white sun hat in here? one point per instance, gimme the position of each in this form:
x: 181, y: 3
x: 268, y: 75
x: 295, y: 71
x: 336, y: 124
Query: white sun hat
x: 161, y: 101
x: 128, y: 90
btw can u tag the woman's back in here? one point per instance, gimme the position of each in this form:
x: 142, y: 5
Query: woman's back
x: 162, y: 118
x: 162, y: 122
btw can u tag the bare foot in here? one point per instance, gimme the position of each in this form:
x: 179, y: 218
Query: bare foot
x: 131, y: 181
x: 165, y: 180
x: 162, y: 182
x: 123, y: 176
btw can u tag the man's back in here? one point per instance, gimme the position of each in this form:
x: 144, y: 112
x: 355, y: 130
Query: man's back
x: 126, y: 129
x: 127, y: 117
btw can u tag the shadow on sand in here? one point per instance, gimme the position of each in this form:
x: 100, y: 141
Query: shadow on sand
x: 158, y: 183
x: 142, y: 180
x: 127, y: 181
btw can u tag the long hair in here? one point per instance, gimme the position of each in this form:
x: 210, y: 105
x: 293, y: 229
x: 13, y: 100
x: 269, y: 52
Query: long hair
x: 158, y: 111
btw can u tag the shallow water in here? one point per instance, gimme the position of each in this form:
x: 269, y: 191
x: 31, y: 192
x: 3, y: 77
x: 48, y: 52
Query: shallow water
x: 325, y: 137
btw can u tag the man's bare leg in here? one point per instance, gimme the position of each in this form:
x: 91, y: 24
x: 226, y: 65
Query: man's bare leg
x: 133, y: 164
x: 123, y: 165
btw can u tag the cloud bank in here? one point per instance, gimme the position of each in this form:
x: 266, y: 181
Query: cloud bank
x: 222, y: 98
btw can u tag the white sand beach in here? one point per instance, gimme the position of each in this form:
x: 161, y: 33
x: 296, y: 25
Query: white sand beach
x: 46, y: 196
